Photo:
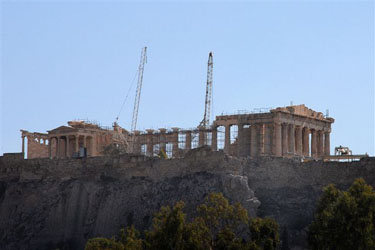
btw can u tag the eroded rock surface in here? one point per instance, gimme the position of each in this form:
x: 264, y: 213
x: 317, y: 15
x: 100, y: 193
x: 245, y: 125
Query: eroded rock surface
x: 45, y: 204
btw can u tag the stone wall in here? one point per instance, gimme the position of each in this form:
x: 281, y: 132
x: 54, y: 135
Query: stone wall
x: 45, y: 204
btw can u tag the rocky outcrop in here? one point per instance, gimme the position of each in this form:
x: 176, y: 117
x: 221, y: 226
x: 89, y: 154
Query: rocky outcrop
x: 60, y: 204
x: 289, y: 189
x: 47, y: 204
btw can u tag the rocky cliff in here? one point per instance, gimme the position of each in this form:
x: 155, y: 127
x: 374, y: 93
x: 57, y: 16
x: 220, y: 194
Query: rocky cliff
x: 47, y: 204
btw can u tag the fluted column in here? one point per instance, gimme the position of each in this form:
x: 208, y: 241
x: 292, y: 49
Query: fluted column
x: 240, y: 140
x: 175, y: 142
x: 162, y: 140
x: 77, y: 143
x: 253, y: 140
x: 23, y: 146
x: 150, y: 145
x: 58, y: 145
x: 320, y: 146
x: 291, y: 137
x: 277, y: 146
x: 327, y: 144
x: 299, y: 140
x: 67, y: 146
x: 214, y: 138
x: 94, y: 151
x: 201, y: 139
x: 188, y: 140
x: 313, y: 143
x: 260, y: 139
x: 268, y: 135
x: 285, y: 138
x: 49, y: 147
x: 137, y: 143
x: 227, y: 139
x: 305, y: 140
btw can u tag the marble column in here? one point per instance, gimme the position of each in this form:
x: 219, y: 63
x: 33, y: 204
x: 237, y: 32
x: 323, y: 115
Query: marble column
x: 163, y: 140
x: 201, y: 139
x: 23, y: 146
x: 240, y: 140
x: 150, y: 145
x: 58, y: 145
x: 77, y: 143
x: 49, y: 147
x: 261, y: 139
x: 277, y: 137
x: 299, y: 140
x: 137, y: 143
x: 188, y: 140
x: 314, y: 143
x: 327, y: 144
x: 67, y: 146
x: 227, y: 139
x: 320, y: 147
x: 268, y: 138
x: 214, y: 138
x: 291, y: 137
x: 175, y: 142
x: 253, y: 140
x: 285, y: 139
x: 305, y: 141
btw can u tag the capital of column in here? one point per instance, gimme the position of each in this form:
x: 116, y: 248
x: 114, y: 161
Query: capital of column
x: 162, y: 130
x: 150, y: 131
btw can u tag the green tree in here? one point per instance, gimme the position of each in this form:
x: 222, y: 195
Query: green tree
x: 217, y: 214
x: 103, y: 244
x: 167, y: 228
x: 197, y: 235
x: 228, y: 240
x: 344, y: 220
x: 265, y: 233
x: 130, y: 239
x: 217, y: 226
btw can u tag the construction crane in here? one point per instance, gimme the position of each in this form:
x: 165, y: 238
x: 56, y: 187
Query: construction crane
x: 205, y: 123
x: 139, y: 88
x: 126, y: 144
x: 138, y: 94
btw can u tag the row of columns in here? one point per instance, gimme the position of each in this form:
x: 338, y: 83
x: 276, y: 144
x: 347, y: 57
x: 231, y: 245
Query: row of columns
x: 162, y: 140
x: 278, y: 139
x: 64, y: 140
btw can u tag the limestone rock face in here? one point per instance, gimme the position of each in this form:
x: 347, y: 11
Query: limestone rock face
x: 289, y: 189
x: 49, y: 204
x: 41, y: 211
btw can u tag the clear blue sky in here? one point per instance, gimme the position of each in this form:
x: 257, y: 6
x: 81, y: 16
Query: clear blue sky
x: 66, y: 60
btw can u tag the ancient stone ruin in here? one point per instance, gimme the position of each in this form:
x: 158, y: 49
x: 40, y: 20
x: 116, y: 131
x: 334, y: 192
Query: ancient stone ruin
x: 292, y: 131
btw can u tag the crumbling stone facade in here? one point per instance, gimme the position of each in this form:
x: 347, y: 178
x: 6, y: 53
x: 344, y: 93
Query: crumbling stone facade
x: 286, y: 131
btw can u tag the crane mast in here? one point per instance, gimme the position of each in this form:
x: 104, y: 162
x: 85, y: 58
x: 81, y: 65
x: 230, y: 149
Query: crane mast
x: 139, y: 88
x: 207, y: 108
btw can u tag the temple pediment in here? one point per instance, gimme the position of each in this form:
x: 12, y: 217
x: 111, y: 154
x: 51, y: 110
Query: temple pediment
x: 62, y: 129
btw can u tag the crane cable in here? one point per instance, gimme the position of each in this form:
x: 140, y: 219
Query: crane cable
x: 126, y: 97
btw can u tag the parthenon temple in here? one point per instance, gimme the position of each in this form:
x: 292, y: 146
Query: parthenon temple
x: 292, y: 131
